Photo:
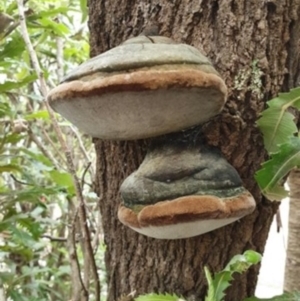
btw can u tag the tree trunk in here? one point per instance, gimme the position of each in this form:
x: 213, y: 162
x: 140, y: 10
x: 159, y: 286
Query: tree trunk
x: 252, y: 44
x: 292, y: 266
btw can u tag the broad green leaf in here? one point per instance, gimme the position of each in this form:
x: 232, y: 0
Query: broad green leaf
x: 276, y: 124
x: 49, y: 13
x: 83, y: 8
x: 286, y: 100
x: 273, y: 171
x: 221, y: 280
x: 29, y: 194
x: 22, y: 236
x: 13, y: 6
x: 42, y: 114
x: 57, y: 28
x: 12, y: 49
x: 13, y: 138
x: 6, y: 277
x: 33, y: 227
x: 64, y: 270
x: 9, y: 168
x: 36, y: 156
x: 16, y: 296
x: 22, y: 221
x: 63, y: 179
x: 158, y: 297
x: 10, y: 85
x: 4, y: 110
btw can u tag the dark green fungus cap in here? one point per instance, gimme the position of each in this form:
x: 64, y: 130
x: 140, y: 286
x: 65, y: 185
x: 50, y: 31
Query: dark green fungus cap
x: 183, y: 192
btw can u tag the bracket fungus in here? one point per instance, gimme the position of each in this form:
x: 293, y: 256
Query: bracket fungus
x: 182, y: 191
x: 147, y: 87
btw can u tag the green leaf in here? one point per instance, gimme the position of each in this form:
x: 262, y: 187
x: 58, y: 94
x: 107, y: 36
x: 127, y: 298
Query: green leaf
x: 57, y: 28
x: 42, y: 114
x: 14, y: 138
x: 6, y: 277
x: 221, y: 280
x: 221, y: 283
x: 64, y: 180
x: 13, y: 48
x: 10, y: 85
x: 286, y: 100
x: 238, y: 262
x: 273, y: 171
x: 158, y: 297
x: 49, y: 13
x: 276, y: 124
x: 16, y: 296
x: 36, y: 156
x: 22, y: 236
x: 5, y: 110
x: 83, y: 8
x: 32, y: 194
x: 10, y: 9
x: 252, y: 257
x: 9, y: 168
x: 211, y: 289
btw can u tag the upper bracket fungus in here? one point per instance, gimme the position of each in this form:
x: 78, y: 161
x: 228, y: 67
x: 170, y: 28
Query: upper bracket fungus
x: 147, y: 87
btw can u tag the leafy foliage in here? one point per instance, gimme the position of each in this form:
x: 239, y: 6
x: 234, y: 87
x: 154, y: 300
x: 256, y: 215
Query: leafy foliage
x: 270, y: 175
x: 279, y: 129
x: 218, y: 283
x: 35, y: 188
x: 221, y: 280
x: 276, y: 123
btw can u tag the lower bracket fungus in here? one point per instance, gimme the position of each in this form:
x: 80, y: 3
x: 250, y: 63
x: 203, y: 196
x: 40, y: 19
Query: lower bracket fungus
x: 181, y: 191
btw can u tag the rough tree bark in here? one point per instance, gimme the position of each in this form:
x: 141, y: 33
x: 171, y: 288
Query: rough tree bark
x: 253, y: 44
x: 292, y: 266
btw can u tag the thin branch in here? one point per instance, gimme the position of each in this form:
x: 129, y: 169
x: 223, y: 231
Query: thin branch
x: 95, y: 242
x: 82, y: 148
x: 88, y: 250
x: 59, y: 56
x: 53, y: 145
x: 43, y: 149
x: 21, y: 182
x: 78, y: 289
x: 56, y: 239
x: 84, y: 173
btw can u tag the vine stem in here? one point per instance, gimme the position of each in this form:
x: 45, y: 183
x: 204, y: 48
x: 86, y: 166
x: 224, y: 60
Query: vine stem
x: 89, y: 259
